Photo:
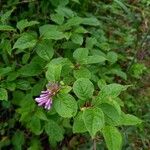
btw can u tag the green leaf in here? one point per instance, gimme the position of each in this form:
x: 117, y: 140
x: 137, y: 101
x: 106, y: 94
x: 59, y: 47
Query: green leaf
x: 35, y: 125
x: 25, y: 41
x: 112, y: 138
x: 25, y: 58
x: 53, y: 130
x: 34, y: 68
x: 11, y: 86
x: 82, y: 73
x: 6, y: 46
x: 18, y: 97
x: 127, y: 119
x: 5, y: 71
x: 74, y: 21
x: 65, y: 11
x: 65, y: 89
x: 118, y: 72
x: 90, y: 42
x: 57, y: 18
x: 35, y: 144
x: 112, y: 57
x: 83, y: 88
x: 6, y: 16
x: 12, y: 76
x: 80, y: 30
x: 101, y: 83
x: 76, y: 1
x: 22, y: 24
x: 41, y: 115
x: 37, y: 88
x: 78, y: 124
x: 81, y: 55
x: 95, y: 59
x: 6, y: 28
x: 51, y: 32
x: 94, y: 120
x: 77, y: 39
x: 53, y: 72
x: 112, y: 115
x: 57, y: 3
x: 45, y: 49
x: 110, y: 91
x: 18, y: 140
x: 23, y: 84
x: 65, y: 105
x: 3, y: 94
x: 90, y: 21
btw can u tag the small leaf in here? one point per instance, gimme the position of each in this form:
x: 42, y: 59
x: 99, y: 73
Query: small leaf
x: 80, y: 30
x: 90, y: 21
x: 37, y: 88
x: 110, y: 91
x: 101, y: 83
x: 78, y: 125
x: 35, y: 144
x: 5, y: 71
x: 6, y: 28
x: 51, y: 32
x: 82, y: 73
x: 94, y: 120
x: 81, y: 55
x: 83, y: 88
x: 57, y: 3
x: 53, y: 72
x: 112, y: 116
x: 25, y: 41
x: 112, y: 57
x: 65, y: 89
x: 35, y: 125
x: 74, y: 21
x: 95, y: 59
x: 127, y: 119
x: 112, y: 138
x: 41, y: 115
x: 21, y: 25
x: 18, y: 140
x: 33, y: 68
x: 45, y: 49
x: 25, y: 58
x: 76, y: 1
x: 65, y: 11
x: 90, y: 42
x: 58, y: 18
x: 23, y: 84
x: 3, y: 94
x: 12, y: 76
x: 54, y: 131
x: 6, y: 46
x: 65, y: 105
x: 6, y: 16
x: 77, y: 39
x: 118, y: 72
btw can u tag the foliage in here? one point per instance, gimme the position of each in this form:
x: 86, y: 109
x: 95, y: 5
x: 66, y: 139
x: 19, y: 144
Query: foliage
x: 94, y: 51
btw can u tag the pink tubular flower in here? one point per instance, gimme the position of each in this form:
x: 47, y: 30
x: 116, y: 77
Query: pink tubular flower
x: 45, y: 98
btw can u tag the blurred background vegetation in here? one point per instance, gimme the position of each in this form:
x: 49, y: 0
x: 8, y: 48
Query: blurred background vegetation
x: 125, y: 29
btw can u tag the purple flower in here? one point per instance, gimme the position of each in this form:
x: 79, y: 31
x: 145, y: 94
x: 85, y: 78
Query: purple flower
x: 45, y: 98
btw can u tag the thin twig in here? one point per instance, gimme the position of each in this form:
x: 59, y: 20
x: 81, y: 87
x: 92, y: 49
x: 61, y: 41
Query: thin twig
x: 94, y: 144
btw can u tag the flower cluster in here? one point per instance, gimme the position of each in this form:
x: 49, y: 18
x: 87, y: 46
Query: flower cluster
x: 45, y: 98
